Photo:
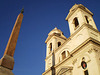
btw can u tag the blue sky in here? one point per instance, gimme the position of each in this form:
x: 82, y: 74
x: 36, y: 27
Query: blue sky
x: 40, y: 17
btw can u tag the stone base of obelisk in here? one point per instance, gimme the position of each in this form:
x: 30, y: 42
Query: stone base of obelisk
x: 6, y: 65
x: 5, y: 71
x: 7, y: 62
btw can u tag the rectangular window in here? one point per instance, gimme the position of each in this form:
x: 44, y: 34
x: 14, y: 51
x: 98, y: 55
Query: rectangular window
x: 86, y: 72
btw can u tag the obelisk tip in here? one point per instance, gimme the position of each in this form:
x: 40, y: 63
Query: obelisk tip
x: 22, y: 11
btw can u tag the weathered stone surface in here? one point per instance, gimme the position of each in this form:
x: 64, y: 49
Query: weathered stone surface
x: 10, y: 48
x: 5, y: 71
x: 7, y: 62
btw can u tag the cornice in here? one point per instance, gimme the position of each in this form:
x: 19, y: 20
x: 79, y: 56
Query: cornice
x: 86, y: 42
x: 46, y: 71
x: 51, y: 68
x: 68, y: 39
x: 50, y: 36
x: 89, y: 40
x: 84, y: 25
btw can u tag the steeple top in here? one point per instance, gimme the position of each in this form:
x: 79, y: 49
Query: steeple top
x: 75, y: 7
x: 55, y: 31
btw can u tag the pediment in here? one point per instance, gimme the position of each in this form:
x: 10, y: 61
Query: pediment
x: 65, y: 70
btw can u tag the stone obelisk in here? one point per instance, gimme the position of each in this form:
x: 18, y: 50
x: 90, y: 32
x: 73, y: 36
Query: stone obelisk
x: 7, y: 61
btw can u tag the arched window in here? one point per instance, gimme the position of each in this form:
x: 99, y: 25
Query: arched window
x: 86, y: 19
x: 63, y: 55
x: 76, y: 23
x: 50, y: 46
x: 59, y: 43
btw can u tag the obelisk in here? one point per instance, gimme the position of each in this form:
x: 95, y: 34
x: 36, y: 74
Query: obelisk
x: 7, y: 61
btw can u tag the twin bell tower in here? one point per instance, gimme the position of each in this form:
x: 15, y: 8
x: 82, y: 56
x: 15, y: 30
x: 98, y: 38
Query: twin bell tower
x: 80, y: 53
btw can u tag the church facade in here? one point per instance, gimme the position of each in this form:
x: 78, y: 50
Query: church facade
x: 80, y: 53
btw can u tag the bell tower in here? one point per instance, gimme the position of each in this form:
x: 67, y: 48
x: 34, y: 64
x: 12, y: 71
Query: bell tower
x: 54, y: 40
x: 7, y: 61
x: 78, y: 16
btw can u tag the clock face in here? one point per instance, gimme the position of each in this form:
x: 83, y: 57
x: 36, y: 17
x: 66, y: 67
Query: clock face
x: 84, y: 64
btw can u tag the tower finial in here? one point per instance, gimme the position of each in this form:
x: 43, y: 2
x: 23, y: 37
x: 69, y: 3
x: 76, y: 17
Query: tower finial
x: 22, y: 11
x: 55, y: 28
